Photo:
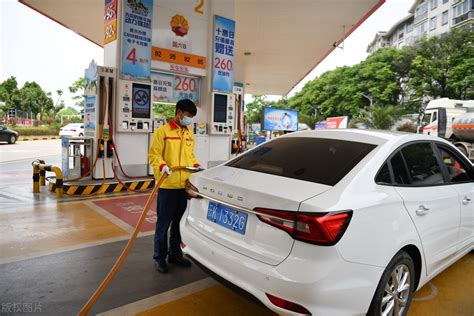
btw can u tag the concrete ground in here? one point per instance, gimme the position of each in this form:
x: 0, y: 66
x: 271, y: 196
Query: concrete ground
x: 54, y: 253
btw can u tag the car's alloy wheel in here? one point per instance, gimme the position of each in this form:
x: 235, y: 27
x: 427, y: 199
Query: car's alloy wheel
x: 12, y: 139
x: 395, y: 289
x: 397, y: 292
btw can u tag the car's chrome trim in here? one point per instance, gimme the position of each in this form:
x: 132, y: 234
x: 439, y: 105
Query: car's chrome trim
x: 240, y: 208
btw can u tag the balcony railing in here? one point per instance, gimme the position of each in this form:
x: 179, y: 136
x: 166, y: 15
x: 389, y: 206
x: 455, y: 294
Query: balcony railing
x: 463, y: 17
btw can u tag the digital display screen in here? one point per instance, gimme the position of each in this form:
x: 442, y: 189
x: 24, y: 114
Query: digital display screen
x: 220, y: 108
x: 141, y: 101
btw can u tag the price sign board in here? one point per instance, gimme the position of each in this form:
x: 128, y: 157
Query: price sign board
x: 136, y: 40
x: 168, y: 88
x: 223, y: 59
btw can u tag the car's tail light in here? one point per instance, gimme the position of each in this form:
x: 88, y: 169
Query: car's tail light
x: 324, y: 229
x: 290, y: 306
x: 73, y: 130
x: 191, y: 190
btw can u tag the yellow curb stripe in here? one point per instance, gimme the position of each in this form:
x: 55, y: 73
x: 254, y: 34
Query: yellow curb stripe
x: 146, y: 185
x: 118, y: 188
x: 88, y: 190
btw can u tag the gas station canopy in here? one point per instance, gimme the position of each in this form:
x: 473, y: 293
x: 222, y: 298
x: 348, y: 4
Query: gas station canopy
x: 277, y: 42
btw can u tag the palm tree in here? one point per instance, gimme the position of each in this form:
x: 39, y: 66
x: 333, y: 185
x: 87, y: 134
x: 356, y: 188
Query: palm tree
x: 379, y: 117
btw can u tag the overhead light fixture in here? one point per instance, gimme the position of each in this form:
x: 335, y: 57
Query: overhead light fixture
x: 247, y: 53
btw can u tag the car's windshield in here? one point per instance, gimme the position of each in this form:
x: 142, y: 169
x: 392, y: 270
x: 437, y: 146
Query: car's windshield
x: 319, y: 160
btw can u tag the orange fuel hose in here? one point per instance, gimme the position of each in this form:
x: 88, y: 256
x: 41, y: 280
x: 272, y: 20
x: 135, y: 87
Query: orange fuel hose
x: 98, y: 292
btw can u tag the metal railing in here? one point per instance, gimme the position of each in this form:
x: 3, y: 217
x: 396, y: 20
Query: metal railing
x: 39, y: 174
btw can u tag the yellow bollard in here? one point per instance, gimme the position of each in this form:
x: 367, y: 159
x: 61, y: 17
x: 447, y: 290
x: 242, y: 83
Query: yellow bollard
x: 36, y: 178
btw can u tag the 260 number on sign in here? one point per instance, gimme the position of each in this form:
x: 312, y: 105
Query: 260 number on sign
x: 185, y: 84
x: 222, y: 63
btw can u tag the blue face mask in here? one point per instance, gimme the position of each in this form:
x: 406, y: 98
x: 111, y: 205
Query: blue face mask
x: 186, y: 121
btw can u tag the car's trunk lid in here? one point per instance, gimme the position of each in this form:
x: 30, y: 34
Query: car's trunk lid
x: 242, y: 189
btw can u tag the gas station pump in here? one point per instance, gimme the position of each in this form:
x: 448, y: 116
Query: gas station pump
x: 133, y: 125
x: 98, y: 114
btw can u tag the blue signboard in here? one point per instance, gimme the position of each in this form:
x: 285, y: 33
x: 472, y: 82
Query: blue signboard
x: 90, y: 113
x: 136, y: 40
x: 223, y: 61
x: 280, y: 120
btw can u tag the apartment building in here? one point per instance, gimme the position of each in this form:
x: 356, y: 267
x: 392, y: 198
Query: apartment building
x: 425, y: 18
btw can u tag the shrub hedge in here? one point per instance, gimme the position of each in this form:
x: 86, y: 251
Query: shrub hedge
x: 35, y: 130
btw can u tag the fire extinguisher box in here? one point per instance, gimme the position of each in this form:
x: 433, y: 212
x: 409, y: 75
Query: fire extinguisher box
x: 76, y: 157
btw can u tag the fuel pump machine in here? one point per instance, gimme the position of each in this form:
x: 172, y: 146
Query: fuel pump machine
x: 133, y: 125
x: 98, y: 126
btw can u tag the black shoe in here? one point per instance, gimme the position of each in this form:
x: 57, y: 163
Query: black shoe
x: 161, y: 266
x: 180, y: 261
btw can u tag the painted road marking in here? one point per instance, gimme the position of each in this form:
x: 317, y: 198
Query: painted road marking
x: 128, y: 209
x: 46, y: 228
x: 162, y: 298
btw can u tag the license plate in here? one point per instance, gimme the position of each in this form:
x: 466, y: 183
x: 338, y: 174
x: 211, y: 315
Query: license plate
x: 227, y: 217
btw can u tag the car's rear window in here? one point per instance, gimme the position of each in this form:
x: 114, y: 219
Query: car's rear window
x: 319, y: 160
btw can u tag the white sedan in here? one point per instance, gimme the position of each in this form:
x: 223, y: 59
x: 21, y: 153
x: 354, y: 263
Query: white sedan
x: 334, y: 222
x: 72, y: 130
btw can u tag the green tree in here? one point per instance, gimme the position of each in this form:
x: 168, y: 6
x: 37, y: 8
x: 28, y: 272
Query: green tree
x: 34, y: 99
x: 444, y: 66
x: 77, y: 89
x: 254, y: 109
x: 9, y: 95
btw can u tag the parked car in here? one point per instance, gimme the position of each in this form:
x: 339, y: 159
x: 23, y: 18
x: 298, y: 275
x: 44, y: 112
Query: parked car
x: 72, y: 130
x: 8, y: 135
x: 333, y: 222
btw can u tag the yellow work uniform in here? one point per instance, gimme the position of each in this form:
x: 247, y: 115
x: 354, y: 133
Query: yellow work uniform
x: 172, y: 145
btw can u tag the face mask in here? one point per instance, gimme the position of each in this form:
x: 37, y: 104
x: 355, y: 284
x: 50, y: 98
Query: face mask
x: 186, y: 121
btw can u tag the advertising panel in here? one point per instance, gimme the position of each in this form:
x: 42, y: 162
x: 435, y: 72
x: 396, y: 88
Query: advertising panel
x: 280, y: 120
x: 180, y: 37
x: 110, y: 21
x: 89, y: 113
x: 168, y: 88
x: 223, y: 57
x: 136, y: 40
x: 337, y: 122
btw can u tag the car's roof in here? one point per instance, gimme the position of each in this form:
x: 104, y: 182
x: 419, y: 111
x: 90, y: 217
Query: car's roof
x: 362, y: 135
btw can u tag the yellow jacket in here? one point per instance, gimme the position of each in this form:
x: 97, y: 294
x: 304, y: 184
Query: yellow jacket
x: 173, y: 146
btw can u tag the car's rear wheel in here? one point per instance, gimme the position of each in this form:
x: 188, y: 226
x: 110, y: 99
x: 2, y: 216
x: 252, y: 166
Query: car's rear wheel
x: 395, y: 289
x: 12, y: 139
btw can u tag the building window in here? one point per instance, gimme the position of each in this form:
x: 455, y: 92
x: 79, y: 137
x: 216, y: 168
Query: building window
x: 445, y: 18
x: 432, y: 23
x: 421, y: 11
x: 445, y: 1
x: 421, y: 29
x: 433, y: 4
x: 409, y: 27
x: 461, y: 8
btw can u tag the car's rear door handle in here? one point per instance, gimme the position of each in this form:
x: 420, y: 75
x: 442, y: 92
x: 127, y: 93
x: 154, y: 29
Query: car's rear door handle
x: 466, y: 200
x: 422, y: 210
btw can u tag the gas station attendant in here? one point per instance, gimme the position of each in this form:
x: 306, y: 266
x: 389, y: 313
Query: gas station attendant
x: 172, y: 146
